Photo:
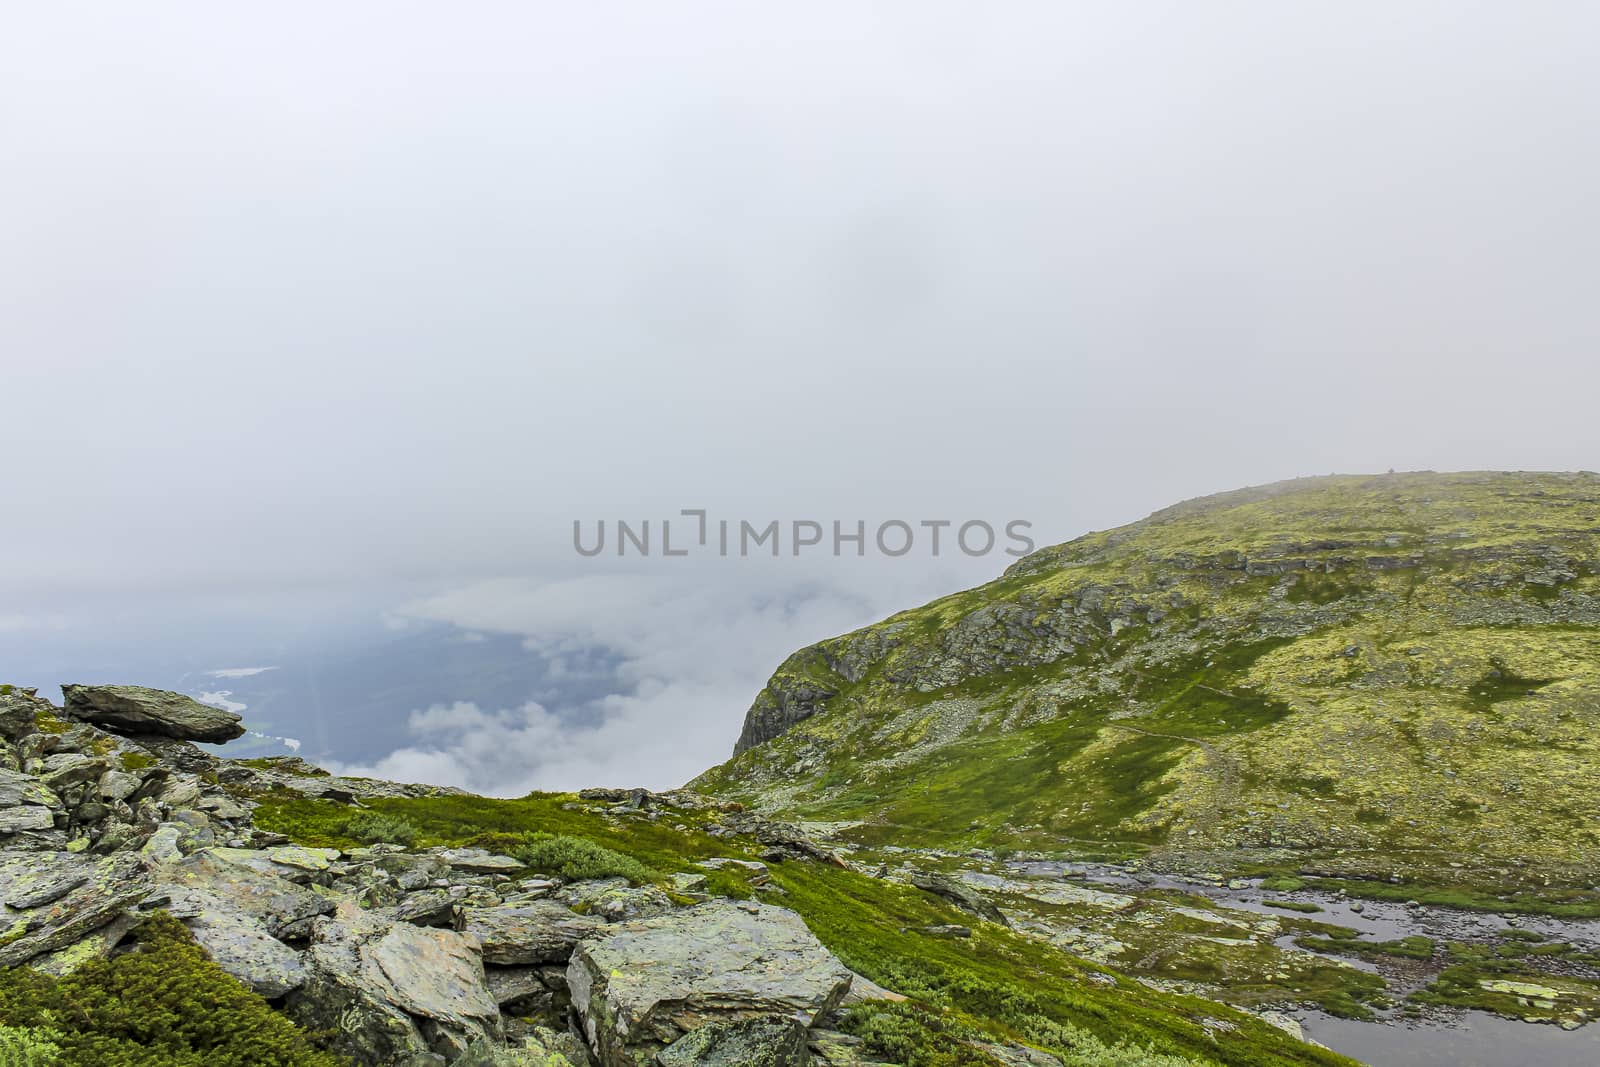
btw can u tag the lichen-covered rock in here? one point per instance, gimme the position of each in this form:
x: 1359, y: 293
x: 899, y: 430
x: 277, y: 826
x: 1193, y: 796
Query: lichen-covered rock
x: 541, y: 931
x: 640, y: 986
x: 394, y: 991
x: 55, y: 899
x: 135, y: 710
x: 762, y: 1041
x: 17, y: 789
x: 238, y: 942
x: 284, y: 909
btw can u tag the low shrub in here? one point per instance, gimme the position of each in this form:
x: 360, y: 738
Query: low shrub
x: 163, y: 1004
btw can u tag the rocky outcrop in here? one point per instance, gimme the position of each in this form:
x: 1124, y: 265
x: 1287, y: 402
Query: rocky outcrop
x: 641, y: 986
x: 133, y: 709
x: 400, y: 957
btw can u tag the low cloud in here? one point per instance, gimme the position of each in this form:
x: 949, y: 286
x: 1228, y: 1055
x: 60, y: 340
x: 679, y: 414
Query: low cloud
x: 694, y: 650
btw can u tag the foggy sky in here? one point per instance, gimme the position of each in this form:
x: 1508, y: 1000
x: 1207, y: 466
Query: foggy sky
x: 378, y: 298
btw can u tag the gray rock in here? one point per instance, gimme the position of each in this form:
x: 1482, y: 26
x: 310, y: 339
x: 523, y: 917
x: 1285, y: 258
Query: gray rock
x: 427, y: 907
x: 18, y: 788
x: 615, y: 900
x: 238, y: 942
x: 101, y: 890
x: 119, y: 785
x: 284, y: 909
x: 394, y: 992
x: 67, y: 769
x: 509, y: 985
x: 762, y: 1041
x: 26, y: 817
x: 962, y: 896
x: 137, y: 711
x: 541, y: 931
x: 479, y: 861
x: 639, y: 986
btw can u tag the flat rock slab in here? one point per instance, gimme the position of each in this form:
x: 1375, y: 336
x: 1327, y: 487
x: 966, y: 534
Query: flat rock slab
x: 18, y: 788
x: 137, y: 711
x: 540, y: 931
x: 479, y: 861
x: 640, y: 986
x: 283, y: 908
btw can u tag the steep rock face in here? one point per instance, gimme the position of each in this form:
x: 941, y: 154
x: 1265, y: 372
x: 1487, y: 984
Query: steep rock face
x: 133, y: 709
x: 1401, y: 665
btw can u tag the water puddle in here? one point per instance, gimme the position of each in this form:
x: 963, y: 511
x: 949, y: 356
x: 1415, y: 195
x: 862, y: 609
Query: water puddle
x: 1469, y: 1039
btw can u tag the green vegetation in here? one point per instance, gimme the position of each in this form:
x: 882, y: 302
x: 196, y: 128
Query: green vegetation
x: 372, y: 827
x: 1388, y: 677
x: 136, y: 761
x: 566, y: 855
x: 1293, y: 905
x: 165, y: 1005
x: 997, y: 985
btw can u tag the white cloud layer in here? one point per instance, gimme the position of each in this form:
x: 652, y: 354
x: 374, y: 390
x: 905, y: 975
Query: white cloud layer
x: 695, y: 650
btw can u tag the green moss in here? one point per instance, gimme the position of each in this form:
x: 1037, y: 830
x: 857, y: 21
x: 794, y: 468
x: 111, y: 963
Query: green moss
x: 137, y: 761
x: 164, y: 1005
x: 47, y: 723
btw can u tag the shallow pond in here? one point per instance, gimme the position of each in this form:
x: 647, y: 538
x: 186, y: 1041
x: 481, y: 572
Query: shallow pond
x: 1471, y: 1039
x: 1459, y: 1039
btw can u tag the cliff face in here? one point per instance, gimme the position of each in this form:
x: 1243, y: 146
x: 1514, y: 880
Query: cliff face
x: 1404, y: 665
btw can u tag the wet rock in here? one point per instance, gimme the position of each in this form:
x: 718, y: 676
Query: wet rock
x: 640, y: 986
x: 137, y: 711
x: 541, y: 931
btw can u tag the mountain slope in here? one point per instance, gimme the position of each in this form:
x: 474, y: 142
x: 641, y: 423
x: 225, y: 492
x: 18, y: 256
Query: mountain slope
x: 1397, y: 673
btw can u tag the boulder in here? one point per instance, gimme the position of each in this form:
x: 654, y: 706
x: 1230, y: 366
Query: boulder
x: 238, y: 942
x: 394, y: 992
x: 137, y: 711
x: 962, y: 896
x: 640, y: 986
x: 540, y: 931
x: 17, y: 789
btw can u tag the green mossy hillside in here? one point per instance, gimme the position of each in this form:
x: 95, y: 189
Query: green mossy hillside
x: 1385, y: 676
